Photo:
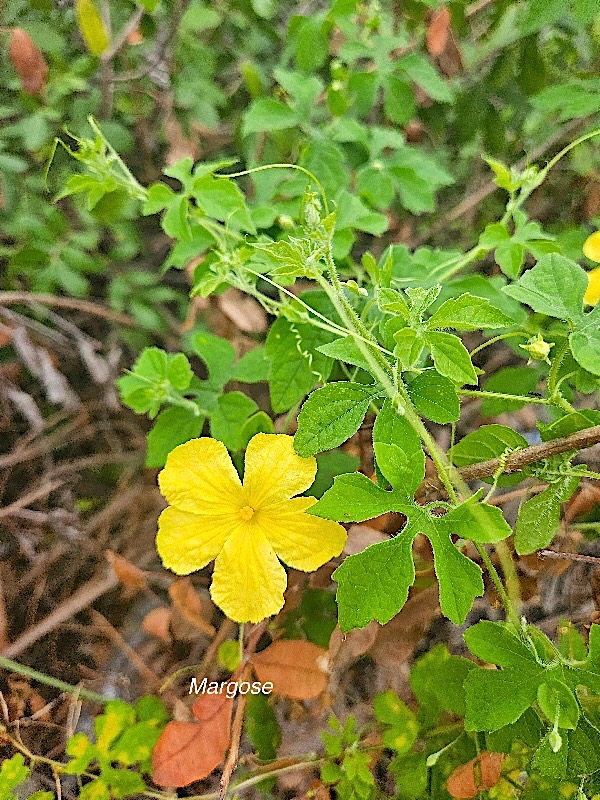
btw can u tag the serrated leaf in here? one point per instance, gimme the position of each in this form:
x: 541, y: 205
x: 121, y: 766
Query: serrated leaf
x: 451, y: 357
x: 555, y: 286
x: 489, y: 441
x: 218, y: 354
x: 495, y: 698
x: 347, y: 350
x: 496, y: 643
x: 539, y: 517
x: 268, y: 114
x: 331, y: 415
x: 434, y: 396
x: 468, y: 313
x: 404, y: 465
x: 374, y: 584
x: 423, y: 73
x: 477, y: 521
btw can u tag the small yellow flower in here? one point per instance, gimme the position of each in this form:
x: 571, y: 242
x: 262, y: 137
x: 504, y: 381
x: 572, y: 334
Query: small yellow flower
x: 591, y: 249
x: 245, y: 527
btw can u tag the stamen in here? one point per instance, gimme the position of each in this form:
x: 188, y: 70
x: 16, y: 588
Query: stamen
x: 246, y: 513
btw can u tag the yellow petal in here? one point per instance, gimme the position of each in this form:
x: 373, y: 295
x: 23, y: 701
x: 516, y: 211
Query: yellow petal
x: 274, y: 471
x: 200, y: 478
x: 301, y: 540
x: 187, y: 542
x: 248, y: 580
x: 592, y: 294
x: 591, y: 246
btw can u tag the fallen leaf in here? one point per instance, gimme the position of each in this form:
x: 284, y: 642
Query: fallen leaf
x: 583, y: 501
x: 188, y: 603
x: 354, y: 644
x: 480, y: 773
x: 296, y: 668
x: 245, y: 312
x: 28, y: 61
x: 437, y: 31
x: 132, y: 577
x: 157, y: 623
x: 190, y: 751
x: 360, y: 537
x: 396, y: 640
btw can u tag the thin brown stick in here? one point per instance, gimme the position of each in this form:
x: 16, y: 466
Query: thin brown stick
x: 529, y: 455
x: 570, y: 556
x: 236, y: 735
x: 30, y: 497
x: 87, y: 306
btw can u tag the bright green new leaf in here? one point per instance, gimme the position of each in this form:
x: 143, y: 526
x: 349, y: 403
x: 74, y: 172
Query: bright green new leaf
x: 559, y: 704
x: 476, y: 521
x: 332, y: 415
x: 347, y: 350
x: 451, y: 357
x: 435, y: 397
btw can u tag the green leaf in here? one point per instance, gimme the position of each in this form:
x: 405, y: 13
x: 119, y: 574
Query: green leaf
x: 117, y: 717
x: 555, y: 286
x: 136, y: 743
x: 329, y: 466
x: 354, y: 498
x: 539, y: 517
x: 420, y: 70
x: 398, y: 450
x: 548, y: 762
x: 345, y: 349
x: 435, y: 397
x: 584, y: 749
x: 510, y: 257
x: 477, y: 521
x: 451, y: 357
x: 509, y: 380
x: 437, y: 680
x: 399, y: 100
x: 331, y: 415
x: 12, y: 772
x: 172, y: 427
x: 179, y: 372
x: 221, y: 199
x: 228, y: 419
x: 496, y: 643
x: 468, y: 313
x: 585, y: 342
x: 261, y: 727
x: 253, y: 367
x: 91, y: 26
x: 218, y: 354
x: 374, y: 584
x: 295, y: 363
x: 559, y: 704
x: 267, y: 114
x: 495, y: 698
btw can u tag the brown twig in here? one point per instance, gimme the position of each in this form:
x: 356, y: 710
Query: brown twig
x: 236, y: 736
x: 529, y: 455
x: 595, y: 560
x: 30, y: 497
x: 87, y: 306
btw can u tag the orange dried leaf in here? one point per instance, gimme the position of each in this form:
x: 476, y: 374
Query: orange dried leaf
x: 189, y: 751
x: 128, y: 574
x: 157, y: 623
x: 28, y: 61
x: 480, y: 773
x: 296, y: 668
x: 188, y: 603
x: 437, y: 31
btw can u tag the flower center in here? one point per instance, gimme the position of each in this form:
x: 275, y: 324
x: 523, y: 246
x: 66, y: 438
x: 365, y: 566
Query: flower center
x: 246, y: 513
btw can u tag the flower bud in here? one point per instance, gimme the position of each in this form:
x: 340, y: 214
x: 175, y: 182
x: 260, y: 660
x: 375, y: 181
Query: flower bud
x: 538, y: 349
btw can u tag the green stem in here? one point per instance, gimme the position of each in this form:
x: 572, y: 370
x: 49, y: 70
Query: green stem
x: 511, y: 610
x: 48, y: 680
x: 553, y: 389
x: 495, y: 339
x: 540, y: 401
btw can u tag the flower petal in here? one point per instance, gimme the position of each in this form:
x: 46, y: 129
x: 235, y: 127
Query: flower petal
x: 592, y: 294
x: 301, y: 540
x: 274, y: 471
x: 187, y: 542
x: 200, y: 478
x: 248, y: 580
x: 591, y: 246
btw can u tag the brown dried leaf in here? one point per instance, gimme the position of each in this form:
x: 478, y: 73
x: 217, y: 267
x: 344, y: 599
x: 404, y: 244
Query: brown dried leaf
x: 189, y: 751
x: 437, y: 31
x: 188, y: 603
x: 480, y: 773
x: 396, y: 640
x: 354, y: 644
x: 157, y: 624
x: 296, y: 668
x: 583, y: 501
x: 360, y: 537
x: 132, y: 577
x: 28, y: 61
x: 245, y: 312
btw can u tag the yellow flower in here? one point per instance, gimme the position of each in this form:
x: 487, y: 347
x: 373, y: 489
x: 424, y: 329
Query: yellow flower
x: 592, y: 293
x: 591, y: 247
x: 245, y: 527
